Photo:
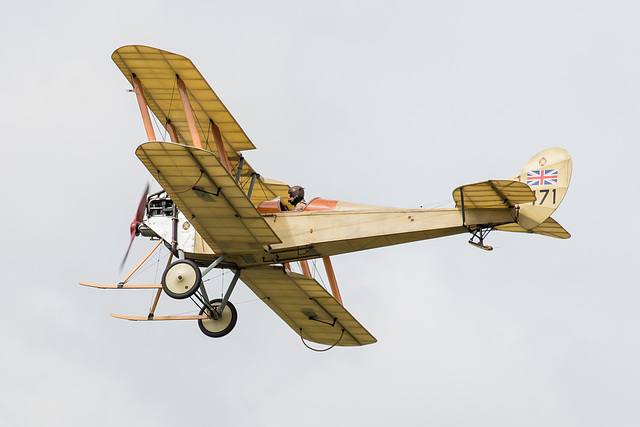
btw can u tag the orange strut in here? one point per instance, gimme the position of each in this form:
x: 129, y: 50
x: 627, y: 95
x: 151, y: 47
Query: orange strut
x: 142, y: 103
x: 222, y: 154
x: 305, y: 268
x: 188, y: 112
x: 332, y: 279
x: 173, y: 134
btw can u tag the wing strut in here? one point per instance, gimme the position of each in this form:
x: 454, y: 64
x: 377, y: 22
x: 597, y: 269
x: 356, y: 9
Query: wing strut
x: 239, y: 170
x: 328, y: 267
x: 173, y: 133
x: 331, y: 275
x: 188, y: 112
x: 144, y: 110
x: 253, y: 181
x: 305, y: 268
x: 222, y: 154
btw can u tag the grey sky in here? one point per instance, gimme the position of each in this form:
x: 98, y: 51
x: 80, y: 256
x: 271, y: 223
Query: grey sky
x: 385, y: 103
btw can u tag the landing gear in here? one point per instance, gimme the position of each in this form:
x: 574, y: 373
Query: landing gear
x: 181, y: 279
x: 477, y: 238
x: 218, y: 325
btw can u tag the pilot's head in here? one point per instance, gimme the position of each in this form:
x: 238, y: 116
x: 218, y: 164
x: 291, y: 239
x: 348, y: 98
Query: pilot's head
x: 296, y: 194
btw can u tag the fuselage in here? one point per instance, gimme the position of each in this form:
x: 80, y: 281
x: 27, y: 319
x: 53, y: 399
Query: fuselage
x: 331, y: 227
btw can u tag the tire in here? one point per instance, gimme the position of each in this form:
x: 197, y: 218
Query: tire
x: 181, y: 279
x: 222, y: 326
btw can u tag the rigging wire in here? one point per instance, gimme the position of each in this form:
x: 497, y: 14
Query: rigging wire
x: 142, y: 270
x: 161, y: 129
x: 262, y: 187
x: 319, y: 276
x: 436, y: 205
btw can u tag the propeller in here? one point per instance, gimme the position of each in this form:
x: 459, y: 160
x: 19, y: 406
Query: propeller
x: 137, y: 220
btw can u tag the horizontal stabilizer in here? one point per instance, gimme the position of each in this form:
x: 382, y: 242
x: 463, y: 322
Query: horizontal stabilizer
x: 548, y: 228
x: 493, y: 194
x: 306, y: 306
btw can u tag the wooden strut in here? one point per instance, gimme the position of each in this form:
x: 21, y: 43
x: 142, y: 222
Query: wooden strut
x: 173, y: 134
x: 332, y: 279
x: 140, y: 318
x: 331, y: 275
x: 122, y: 286
x: 222, y: 154
x: 155, y: 301
x: 305, y: 268
x: 141, y: 262
x: 144, y: 110
x: 188, y: 112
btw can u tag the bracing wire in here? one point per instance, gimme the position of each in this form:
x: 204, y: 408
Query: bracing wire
x: 148, y: 266
x: 161, y: 129
x: 317, y: 272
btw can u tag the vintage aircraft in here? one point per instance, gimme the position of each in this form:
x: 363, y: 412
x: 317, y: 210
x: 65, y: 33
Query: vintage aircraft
x: 217, y: 212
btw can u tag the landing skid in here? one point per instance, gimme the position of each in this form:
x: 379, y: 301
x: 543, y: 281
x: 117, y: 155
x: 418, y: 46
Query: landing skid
x: 477, y: 238
x: 182, y: 279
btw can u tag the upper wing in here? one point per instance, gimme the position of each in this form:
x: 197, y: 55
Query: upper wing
x: 306, y: 306
x: 493, y: 194
x: 208, y: 196
x: 157, y: 71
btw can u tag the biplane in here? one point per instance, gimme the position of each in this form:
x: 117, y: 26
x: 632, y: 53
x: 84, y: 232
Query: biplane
x: 216, y: 212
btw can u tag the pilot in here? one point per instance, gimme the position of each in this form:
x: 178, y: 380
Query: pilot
x: 296, y: 198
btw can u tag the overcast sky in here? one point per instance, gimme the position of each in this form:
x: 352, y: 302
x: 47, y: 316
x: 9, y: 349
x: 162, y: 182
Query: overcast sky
x: 377, y: 102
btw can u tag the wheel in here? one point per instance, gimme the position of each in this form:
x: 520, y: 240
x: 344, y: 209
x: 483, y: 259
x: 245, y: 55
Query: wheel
x: 223, y: 325
x: 181, y: 279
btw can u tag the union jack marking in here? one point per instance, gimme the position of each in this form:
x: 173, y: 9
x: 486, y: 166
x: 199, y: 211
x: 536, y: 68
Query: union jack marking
x: 542, y: 177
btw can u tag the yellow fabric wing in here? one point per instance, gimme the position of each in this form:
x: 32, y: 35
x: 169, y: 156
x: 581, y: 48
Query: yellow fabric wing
x: 208, y: 196
x: 306, y: 306
x: 157, y: 70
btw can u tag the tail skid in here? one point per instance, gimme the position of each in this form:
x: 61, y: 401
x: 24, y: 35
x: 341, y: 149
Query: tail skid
x: 477, y: 238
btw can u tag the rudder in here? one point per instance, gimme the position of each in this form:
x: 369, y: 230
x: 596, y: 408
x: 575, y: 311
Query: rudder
x: 547, y: 174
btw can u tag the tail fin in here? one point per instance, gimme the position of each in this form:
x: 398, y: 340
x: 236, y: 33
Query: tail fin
x: 547, y: 174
